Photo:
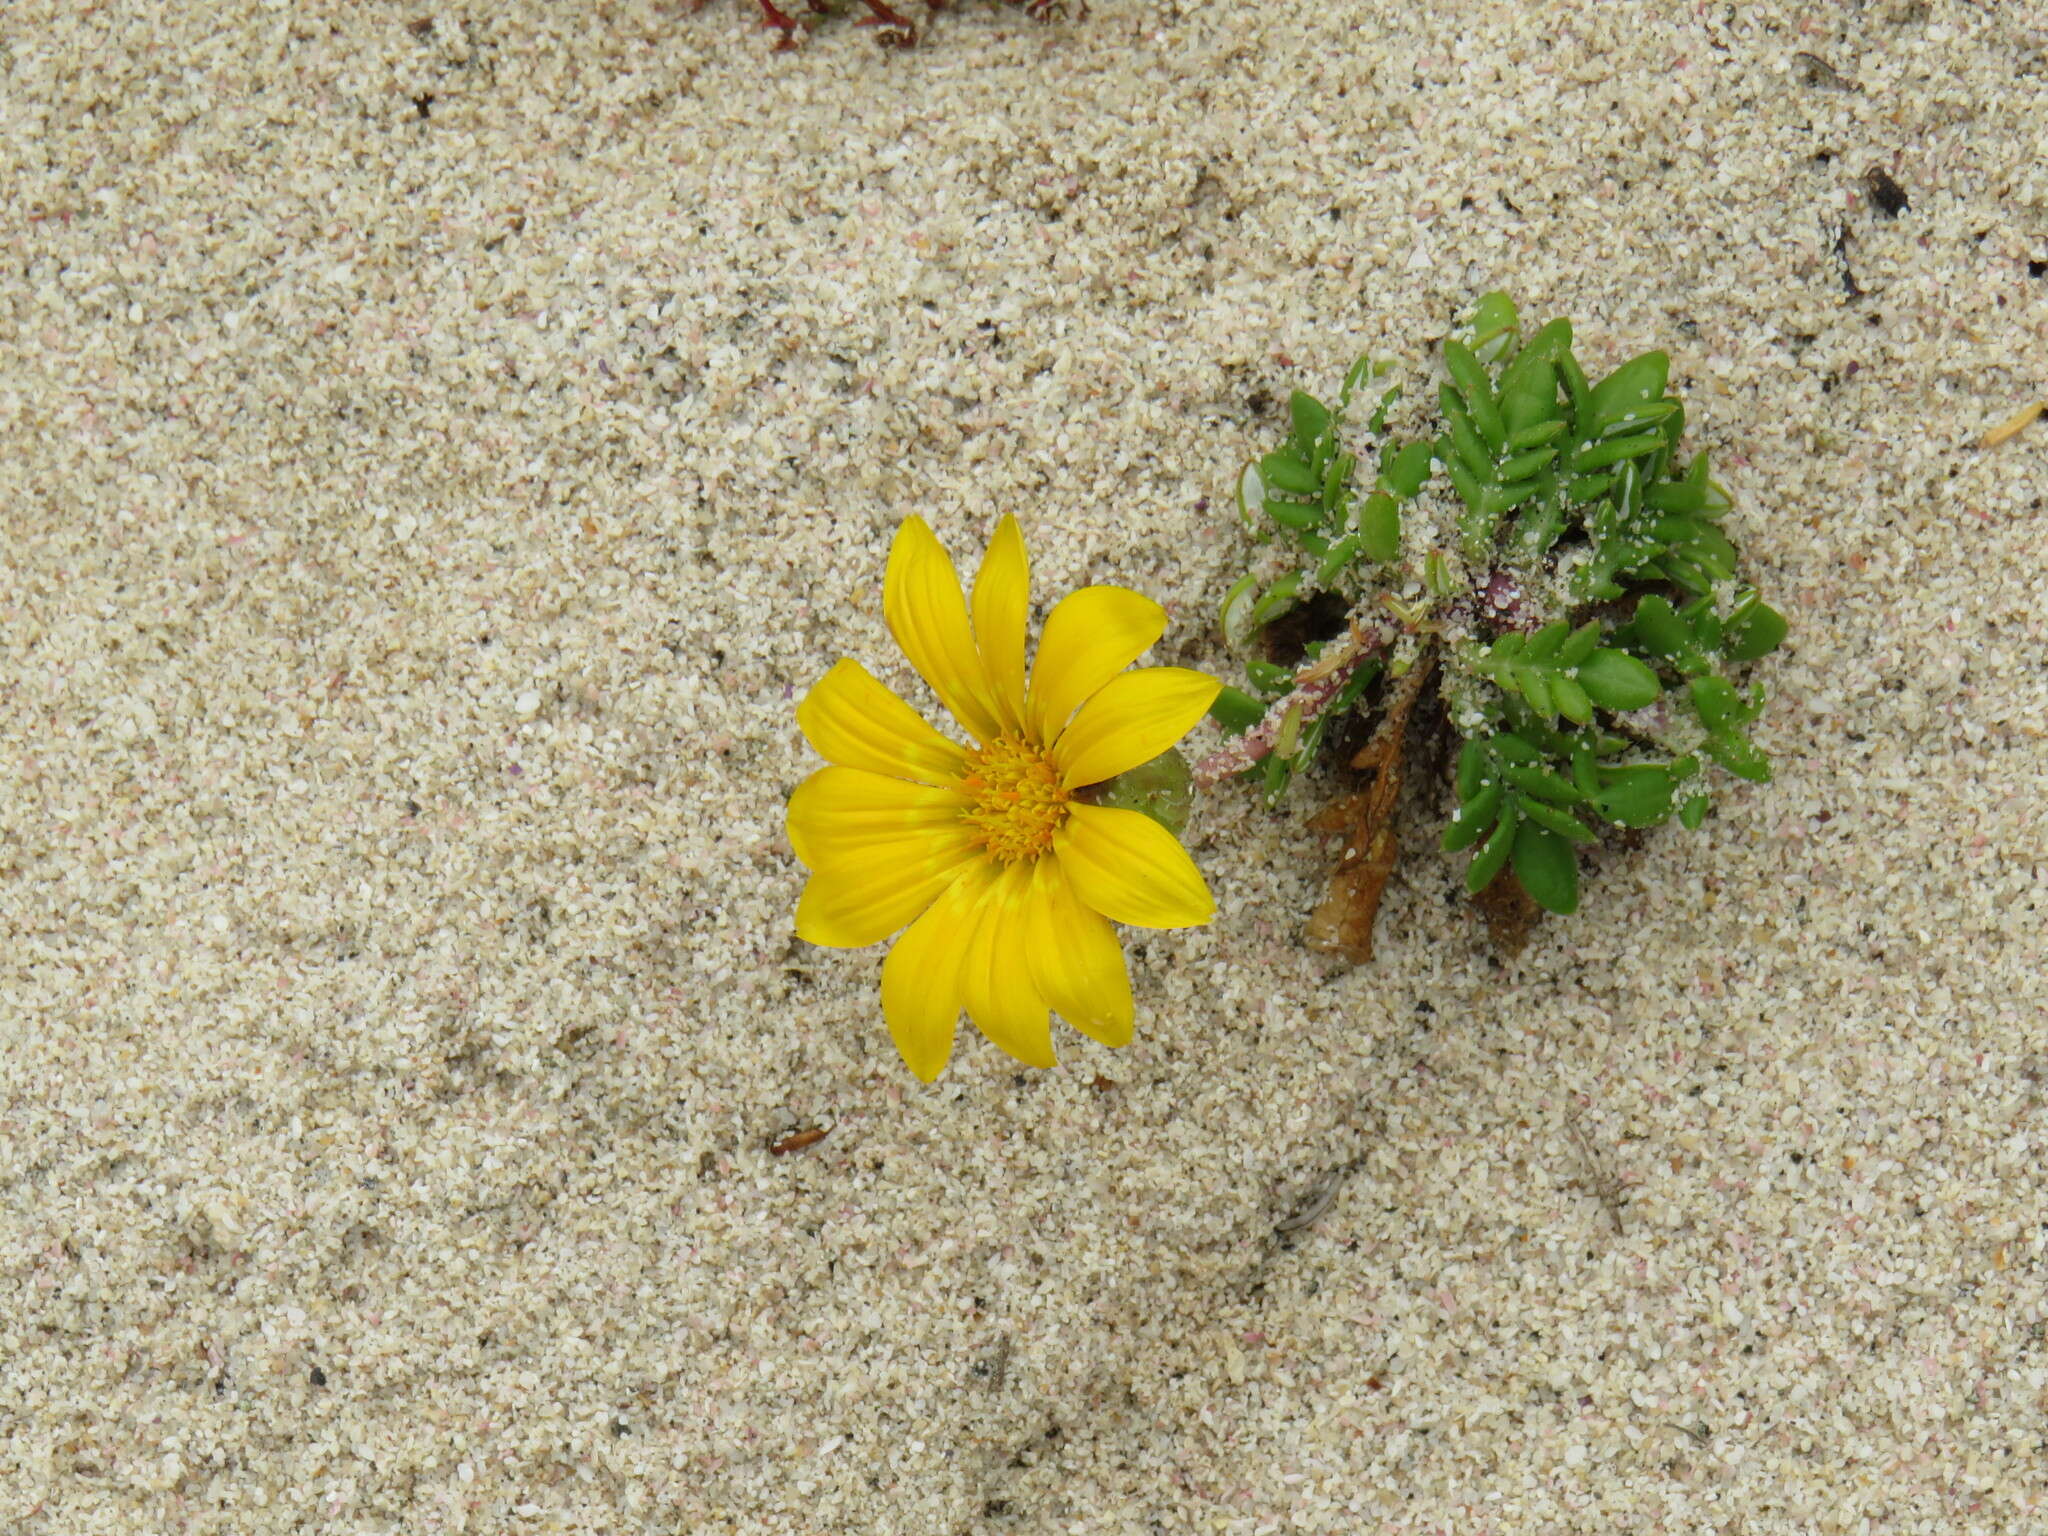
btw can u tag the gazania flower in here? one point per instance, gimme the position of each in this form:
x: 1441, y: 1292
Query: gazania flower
x: 1007, y: 877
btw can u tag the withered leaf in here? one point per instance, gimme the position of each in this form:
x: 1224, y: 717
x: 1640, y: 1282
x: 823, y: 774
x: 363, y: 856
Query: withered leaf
x: 1343, y: 923
x: 1511, y: 914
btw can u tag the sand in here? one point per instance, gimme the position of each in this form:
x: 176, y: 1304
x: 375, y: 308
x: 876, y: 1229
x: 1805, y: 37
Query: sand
x: 441, y: 441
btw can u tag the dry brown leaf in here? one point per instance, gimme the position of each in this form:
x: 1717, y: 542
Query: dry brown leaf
x: 1342, y: 924
x: 1511, y: 914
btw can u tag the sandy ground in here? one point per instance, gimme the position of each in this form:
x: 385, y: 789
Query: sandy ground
x: 440, y: 441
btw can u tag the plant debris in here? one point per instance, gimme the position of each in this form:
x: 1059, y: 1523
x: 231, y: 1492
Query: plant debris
x: 2014, y: 424
x: 1343, y: 923
x: 796, y: 1141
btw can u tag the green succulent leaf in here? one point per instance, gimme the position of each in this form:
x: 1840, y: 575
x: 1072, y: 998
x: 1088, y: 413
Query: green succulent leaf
x: 1379, y: 526
x: 1563, y: 823
x: 1717, y: 703
x: 1687, y: 494
x: 1616, y: 681
x: 1362, y: 371
x: 1474, y: 819
x: 1311, y: 420
x: 1336, y: 479
x: 1251, y: 500
x: 1464, y: 441
x: 1493, y: 853
x: 1269, y: 677
x: 1628, y: 389
x: 1544, y: 644
x: 1635, y: 797
x: 1534, y: 686
x: 1524, y: 465
x: 1275, y: 770
x: 1494, y: 323
x: 1352, y: 691
x: 1572, y: 701
x: 1547, y: 868
x: 1236, y: 711
x: 1290, y: 731
x: 1285, y: 470
x: 1297, y: 515
x: 1581, y: 645
x: 1658, y: 629
x: 1377, y: 422
x: 1540, y: 782
x: 1585, y: 770
x: 1277, y: 599
x: 1599, y: 455
x: 1403, y: 473
x: 1236, y: 615
x: 1470, y: 377
x: 1704, y: 621
x: 1537, y: 433
x: 1754, y: 629
x: 1339, y: 557
x: 1739, y: 755
x: 1474, y: 759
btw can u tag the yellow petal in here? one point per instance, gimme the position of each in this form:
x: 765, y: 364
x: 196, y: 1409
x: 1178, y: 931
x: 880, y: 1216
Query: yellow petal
x: 1131, y: 719
x: 1002, y: 594
x: 854, y: 721
x: 1091, y: 635
x: 1076, y: 962
x: 928, y: 616
x: 841, y: 816
x: 863, y: 902
x: 1130, y: 869
x: 921, y: 977
x: 995, y: 974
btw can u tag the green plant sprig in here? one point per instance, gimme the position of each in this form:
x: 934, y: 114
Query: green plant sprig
x: 1551, y: 552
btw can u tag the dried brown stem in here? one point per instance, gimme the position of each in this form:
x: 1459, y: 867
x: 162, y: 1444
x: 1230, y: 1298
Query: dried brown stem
x: 1343, y: 923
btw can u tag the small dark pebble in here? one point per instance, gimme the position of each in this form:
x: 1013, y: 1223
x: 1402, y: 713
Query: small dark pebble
x: 319, y: 1377
x: 1886, y: 193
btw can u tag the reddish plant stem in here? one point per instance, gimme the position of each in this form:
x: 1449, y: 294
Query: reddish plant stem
x: 783, y: 23
x: 1314, y: 686
x: 898, y: 31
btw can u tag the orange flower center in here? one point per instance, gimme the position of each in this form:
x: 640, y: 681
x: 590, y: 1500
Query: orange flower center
x: 1018, y: 801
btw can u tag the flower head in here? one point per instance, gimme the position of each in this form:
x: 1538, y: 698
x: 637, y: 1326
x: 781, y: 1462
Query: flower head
x: 991, y: 858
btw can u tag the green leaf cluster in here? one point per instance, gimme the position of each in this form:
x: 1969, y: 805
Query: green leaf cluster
x: 1537, y: 452
x: 1560, y: 670
x: 1525, y: 798
x: 1309, y: 486
x: 1577, y: 590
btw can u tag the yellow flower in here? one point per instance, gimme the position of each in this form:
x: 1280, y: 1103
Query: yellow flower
x: 1007, y: 877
